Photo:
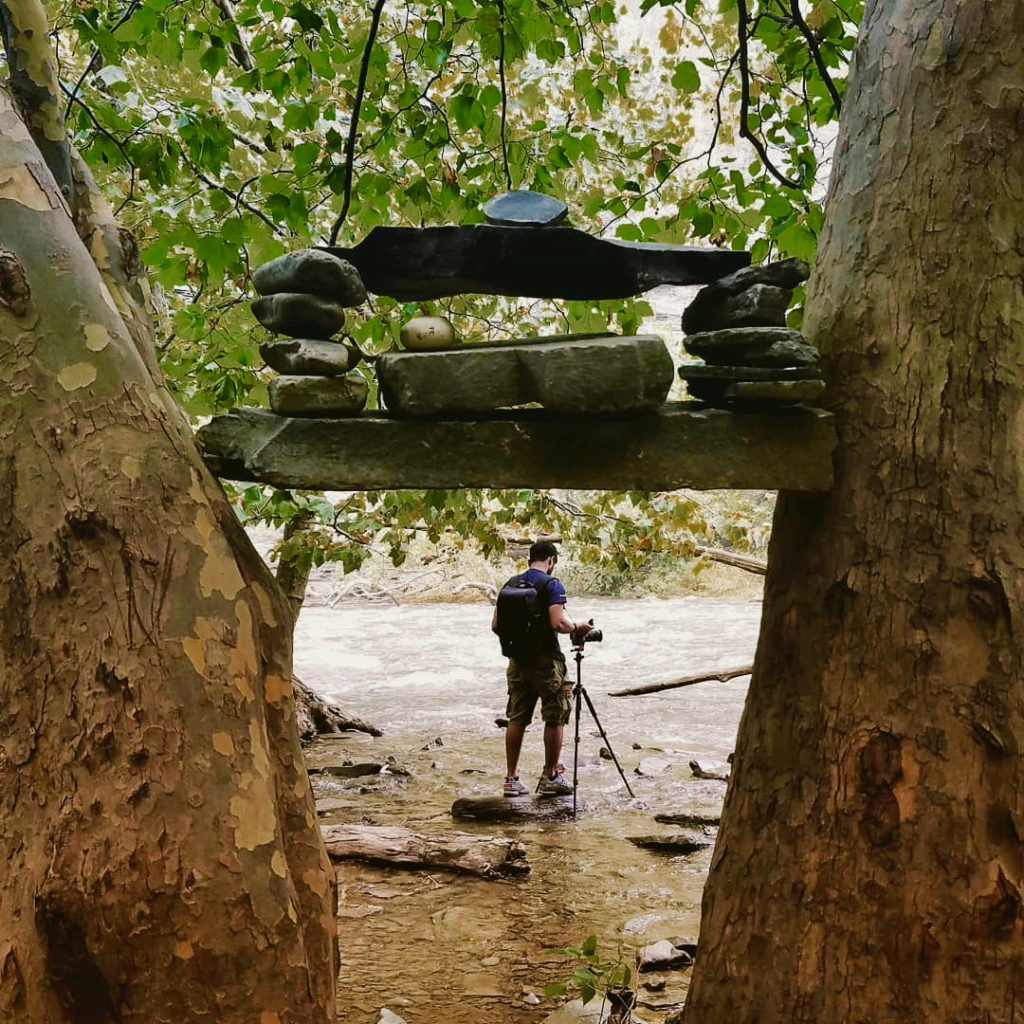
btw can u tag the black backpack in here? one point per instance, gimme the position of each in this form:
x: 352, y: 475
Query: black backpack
x: 523, y: 618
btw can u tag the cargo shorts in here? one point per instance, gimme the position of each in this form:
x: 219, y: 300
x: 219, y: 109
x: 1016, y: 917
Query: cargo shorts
x: 544, y: 680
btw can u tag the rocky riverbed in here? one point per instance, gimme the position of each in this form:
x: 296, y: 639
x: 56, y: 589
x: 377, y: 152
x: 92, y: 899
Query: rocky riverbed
x: 436, y: 947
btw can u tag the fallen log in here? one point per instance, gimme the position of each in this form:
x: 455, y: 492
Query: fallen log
x: 703, y: 677
x: 317, y: 717
x: 486, y: 856
x: 502, y: 809
x: 746, y: 562
x: 691, y: 820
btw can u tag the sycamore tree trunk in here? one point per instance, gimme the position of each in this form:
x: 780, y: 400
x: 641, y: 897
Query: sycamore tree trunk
x: 870, y: 860
x: 160, y: 850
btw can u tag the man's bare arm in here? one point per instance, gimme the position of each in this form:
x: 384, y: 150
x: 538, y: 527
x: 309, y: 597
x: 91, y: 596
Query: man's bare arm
x: 560, y: 623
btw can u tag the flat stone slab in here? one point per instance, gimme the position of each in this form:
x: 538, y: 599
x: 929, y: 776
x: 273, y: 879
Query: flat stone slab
x: 676, y: 843
x: 312, y: 271
x: 309, y: 357
x: 701, y: 314
x: 525, y: 209
x: 710, y: 383
x: 782, y: 391
x: 318, y: 396
x: 503, y: 809
x: 414, y: 264
x: 299, y: 315
x: 596, y: 374
x: 678, y: 445
x: 752, y: 346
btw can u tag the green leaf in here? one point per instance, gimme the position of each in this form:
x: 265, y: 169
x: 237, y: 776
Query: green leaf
x: 686, y: 78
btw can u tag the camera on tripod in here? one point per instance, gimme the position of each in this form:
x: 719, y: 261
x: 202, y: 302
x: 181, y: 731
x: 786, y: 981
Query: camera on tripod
x: 593, y: 636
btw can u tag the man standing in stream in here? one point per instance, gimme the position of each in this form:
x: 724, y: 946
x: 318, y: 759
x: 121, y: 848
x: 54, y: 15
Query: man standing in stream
x: 529, y: 615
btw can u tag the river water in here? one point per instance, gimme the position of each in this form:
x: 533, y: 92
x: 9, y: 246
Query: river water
x: 445, y: 949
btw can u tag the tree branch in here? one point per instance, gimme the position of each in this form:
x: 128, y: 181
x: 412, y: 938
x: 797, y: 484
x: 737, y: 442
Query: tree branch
x: 353, y: 126
x: 745, y: 132
x: 812, y: 45
x: 239, y: 47
x: 35, y: 86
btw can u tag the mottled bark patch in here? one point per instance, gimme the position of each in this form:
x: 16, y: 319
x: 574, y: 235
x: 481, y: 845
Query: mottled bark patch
x: 880, y: 767
x: 14, y: 290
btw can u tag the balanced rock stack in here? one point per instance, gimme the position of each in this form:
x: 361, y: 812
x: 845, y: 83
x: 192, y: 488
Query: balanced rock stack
x: 738, y: 327
x: 304, y: 295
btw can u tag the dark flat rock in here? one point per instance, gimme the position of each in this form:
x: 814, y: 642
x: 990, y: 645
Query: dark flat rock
x: 693, y: 820
x: 299, y: 315
x: 347, y: 771
x: 678, y: 445
x: 525, y: 808
x: 312, y: 271
x: 603, y: 374
x: 752, y: 346
x: 709, y: 383
x: 525, y: 209
x: 318, y: 396
x: 776, y: 391
x: 414, y: 264
x: 786, y: 274
x: 309, y: 357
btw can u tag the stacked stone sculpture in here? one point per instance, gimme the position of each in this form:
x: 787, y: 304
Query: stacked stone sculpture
x: 303, y: 296
x: 737, y: 325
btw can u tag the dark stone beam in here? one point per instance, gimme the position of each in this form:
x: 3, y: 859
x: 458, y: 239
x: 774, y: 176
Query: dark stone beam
x: 414, y: 264
x: 681, y: 445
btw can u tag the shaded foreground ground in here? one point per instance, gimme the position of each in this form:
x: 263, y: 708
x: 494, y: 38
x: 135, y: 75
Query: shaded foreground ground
x: 443, y: 948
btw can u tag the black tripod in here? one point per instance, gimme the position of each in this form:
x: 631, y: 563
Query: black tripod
x: 581, y: 695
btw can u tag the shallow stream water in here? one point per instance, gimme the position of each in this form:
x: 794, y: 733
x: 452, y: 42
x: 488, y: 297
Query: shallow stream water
x: 445, y: 949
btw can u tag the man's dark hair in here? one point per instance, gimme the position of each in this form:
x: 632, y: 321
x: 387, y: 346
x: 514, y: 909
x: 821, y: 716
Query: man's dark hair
x: 542, y: 551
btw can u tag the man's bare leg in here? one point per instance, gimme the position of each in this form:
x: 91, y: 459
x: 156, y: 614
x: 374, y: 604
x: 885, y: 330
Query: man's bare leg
x: 514, y: 733
x: 552, y: 748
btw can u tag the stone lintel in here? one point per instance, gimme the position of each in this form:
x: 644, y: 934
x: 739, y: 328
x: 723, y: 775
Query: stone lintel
x: 679, y: 445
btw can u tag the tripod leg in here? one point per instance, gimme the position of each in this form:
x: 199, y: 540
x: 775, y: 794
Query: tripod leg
x: 576, y: 747
x: 604, y: 736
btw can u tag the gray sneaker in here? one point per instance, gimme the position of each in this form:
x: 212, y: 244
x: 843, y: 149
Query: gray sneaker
x: 513, y: 787
x: 554, y: 787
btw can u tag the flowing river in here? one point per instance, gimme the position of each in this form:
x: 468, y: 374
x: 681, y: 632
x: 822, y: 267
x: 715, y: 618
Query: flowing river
x: 437, y: 948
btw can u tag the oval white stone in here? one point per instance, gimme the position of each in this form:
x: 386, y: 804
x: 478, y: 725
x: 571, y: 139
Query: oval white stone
x: 427, y: 334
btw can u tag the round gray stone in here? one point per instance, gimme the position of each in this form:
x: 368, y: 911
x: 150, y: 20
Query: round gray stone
x: 318, y: 396
x: 298, y: 314
x: 525, y: 208
x: 313, y: 271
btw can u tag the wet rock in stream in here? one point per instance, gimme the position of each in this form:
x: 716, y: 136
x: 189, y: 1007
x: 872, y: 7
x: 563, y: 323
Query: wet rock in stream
x: 501, y: 808
x: 674, y: 843
x: 662, y: 956
x: 690, y: 820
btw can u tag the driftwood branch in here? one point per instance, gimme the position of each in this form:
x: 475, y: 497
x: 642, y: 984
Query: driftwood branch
x: 704, y: 677
x: 486, y: 856
x: 745, y: 562
x: 316, y: 717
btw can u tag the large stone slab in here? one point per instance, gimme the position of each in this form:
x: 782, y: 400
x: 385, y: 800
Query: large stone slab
x: 679, y: 445
x: 752, y: 346
x: 414, y: 264
x: 700, y: 315
x: 309, y: 357
x: 298, y: 314
x: 312, y: 271
x: 596, y: 374
x: 318, y: 396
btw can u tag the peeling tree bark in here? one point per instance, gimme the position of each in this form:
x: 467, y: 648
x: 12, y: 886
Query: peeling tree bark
x: 870, y: 858
x: 162, y: 860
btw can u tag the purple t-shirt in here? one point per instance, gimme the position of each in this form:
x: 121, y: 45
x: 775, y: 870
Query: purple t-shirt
x: 550, y: 591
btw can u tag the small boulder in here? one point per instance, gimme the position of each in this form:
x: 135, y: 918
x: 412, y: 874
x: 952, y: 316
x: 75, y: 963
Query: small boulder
x: 309, y: 357
x: 662, y: 956
x: 314, y: 272
x: 387, y: 1017
x: 752, y: 346
x: 700, y: 315
x: 297, y: 314
x: 318, y: 396
x: 761, y: 305
x: 427, y: 334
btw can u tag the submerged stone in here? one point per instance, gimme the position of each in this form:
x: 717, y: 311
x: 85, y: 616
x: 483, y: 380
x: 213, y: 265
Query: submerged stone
x: 318, y: 396
x: 309, y: 357
x: 784, y: 274
x: 597, y: 374
x: 311, y: 271
x: 298, y: 314
x: 752, y: 346
x: 524, y: 208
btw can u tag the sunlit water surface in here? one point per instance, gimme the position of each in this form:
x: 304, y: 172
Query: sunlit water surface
x: 439, y: 948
